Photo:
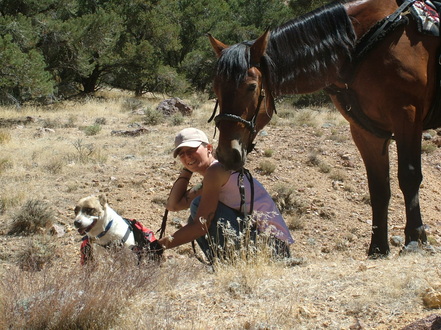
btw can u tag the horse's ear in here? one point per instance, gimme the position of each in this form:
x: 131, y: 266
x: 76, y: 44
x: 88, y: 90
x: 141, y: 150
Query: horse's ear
x: 258, y: 49
x: 217, y: 45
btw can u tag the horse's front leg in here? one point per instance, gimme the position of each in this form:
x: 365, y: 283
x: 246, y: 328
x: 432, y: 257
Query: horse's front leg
x: 375, y: 155
x: 410, y: 177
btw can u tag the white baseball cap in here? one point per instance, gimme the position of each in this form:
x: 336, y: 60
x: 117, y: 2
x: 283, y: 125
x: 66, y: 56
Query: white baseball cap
x: 189, y: 137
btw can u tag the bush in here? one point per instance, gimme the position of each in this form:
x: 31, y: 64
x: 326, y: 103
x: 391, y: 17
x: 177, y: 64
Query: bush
x: 153, y: 117
x: 92, y: 130
x: 177, y: 119
x: 34, y: 216
x: 268, y: 152
x: 285, y: 200
x: 266, y: 167
x: 39, y: 252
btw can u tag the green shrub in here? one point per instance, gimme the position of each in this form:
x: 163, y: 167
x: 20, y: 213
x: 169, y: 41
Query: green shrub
x: 428, y: 147
x: 177, y: 119
x: 153, y: 117
x: 92, y: 130
x: 266, y: 167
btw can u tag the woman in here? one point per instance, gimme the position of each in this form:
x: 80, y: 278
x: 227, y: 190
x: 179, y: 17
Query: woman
x: 215, y: 204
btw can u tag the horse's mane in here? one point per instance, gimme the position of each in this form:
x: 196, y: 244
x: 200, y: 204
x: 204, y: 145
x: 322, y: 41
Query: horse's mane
x: 234, y: 62
x: 308, y: 45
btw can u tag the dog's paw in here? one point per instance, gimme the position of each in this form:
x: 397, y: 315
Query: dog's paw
x: 156, y: 248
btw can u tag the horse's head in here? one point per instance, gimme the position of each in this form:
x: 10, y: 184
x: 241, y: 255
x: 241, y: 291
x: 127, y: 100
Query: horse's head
x: 246, y: 104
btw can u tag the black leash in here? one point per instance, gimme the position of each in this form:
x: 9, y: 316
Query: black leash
x: 243, y: 209
x: 163, y: 225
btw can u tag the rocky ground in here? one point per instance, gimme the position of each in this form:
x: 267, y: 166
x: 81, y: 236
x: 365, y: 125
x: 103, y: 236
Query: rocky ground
x: 307, y: 158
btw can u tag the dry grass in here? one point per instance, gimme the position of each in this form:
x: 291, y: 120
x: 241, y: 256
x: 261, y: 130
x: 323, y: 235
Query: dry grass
x: 333, y: 287
x: 73, y: 298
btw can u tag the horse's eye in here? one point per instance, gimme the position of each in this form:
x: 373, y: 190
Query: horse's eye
x: 252, y: 87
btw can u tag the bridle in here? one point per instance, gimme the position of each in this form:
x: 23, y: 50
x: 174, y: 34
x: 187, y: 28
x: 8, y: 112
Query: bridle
x: 249, y: 124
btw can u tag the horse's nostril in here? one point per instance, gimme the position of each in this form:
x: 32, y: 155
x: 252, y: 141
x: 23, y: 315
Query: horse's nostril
x: 232, y: 158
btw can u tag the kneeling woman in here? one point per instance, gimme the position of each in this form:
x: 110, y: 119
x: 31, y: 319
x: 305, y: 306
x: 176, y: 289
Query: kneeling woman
x: 215, y: 204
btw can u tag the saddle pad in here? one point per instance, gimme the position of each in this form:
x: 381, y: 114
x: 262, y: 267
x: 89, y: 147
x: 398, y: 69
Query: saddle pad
x: 427, y: 17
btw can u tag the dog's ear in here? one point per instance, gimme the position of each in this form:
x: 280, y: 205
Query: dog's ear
x: 103, y: 199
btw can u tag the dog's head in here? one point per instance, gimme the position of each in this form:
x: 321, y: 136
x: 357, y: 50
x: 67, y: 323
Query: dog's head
x: 88, y: 211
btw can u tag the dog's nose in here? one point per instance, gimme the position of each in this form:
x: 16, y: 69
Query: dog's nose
x: 77, y: 223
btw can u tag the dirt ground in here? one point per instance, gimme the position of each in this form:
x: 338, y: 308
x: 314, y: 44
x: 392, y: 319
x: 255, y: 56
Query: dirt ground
x: 335, y: 285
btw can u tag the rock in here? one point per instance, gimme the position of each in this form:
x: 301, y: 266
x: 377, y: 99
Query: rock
x: 397, y: 240
x: 432, y: 322
x: 174, y: 105
x: 135, y: 132
x: 427, y: 136
x: 57, y: 230
x: 432, y: 297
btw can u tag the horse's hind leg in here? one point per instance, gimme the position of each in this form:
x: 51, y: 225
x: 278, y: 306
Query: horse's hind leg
x: 410, y: 177
x: 375, y: 155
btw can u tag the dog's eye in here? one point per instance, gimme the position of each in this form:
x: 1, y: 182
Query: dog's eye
x: 88, y: 210
x: 76, y: 210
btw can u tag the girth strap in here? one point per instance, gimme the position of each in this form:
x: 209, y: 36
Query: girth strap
x: 346, y: 96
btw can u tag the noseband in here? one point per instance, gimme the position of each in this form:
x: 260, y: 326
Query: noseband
x: 249, y: 124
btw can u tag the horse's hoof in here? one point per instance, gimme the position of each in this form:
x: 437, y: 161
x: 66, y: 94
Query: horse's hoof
x: 377, y: 253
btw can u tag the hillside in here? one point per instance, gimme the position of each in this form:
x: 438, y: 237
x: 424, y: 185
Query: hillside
x: 307, y: 156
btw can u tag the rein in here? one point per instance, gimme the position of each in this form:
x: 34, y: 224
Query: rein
x: 240, y: 183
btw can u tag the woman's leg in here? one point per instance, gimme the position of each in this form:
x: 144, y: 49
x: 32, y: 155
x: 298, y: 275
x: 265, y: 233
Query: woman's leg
x: 224, y: 229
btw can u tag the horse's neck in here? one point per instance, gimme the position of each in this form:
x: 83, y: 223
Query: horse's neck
x: 377, y: 10
x: 308, y: 52
x: 317, y: 71
x: 304, y: 84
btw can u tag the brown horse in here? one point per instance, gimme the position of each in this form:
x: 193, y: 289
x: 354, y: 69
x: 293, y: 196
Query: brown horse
x: 379, y: 71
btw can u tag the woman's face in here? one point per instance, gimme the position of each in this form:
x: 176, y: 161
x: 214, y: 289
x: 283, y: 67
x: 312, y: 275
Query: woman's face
x: 195, y: 159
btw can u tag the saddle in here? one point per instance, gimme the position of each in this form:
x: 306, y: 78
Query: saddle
x: 427, y: 15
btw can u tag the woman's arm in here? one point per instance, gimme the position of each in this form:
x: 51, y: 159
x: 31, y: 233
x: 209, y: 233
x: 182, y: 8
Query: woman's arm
x: 180, y: 196
x: 214, y: 179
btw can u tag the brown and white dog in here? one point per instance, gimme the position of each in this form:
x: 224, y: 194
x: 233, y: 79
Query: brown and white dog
x: 101, y: 225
